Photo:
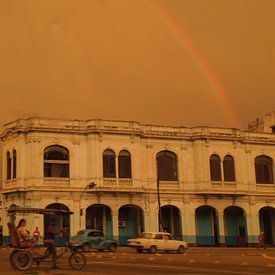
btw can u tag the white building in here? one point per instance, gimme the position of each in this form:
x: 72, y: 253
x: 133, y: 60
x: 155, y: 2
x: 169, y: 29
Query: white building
x: 216, y: 184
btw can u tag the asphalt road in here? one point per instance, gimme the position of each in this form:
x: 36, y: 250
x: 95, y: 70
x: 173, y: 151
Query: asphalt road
x: 238, y: 261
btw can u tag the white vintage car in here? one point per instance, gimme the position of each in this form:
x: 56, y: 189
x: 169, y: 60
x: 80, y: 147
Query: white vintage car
x: 156, y: 241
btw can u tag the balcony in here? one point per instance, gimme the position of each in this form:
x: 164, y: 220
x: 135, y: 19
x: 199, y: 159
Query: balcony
x: 117, y: 182
x: 174, y: 185
x: 56, y: 183
x: 266, y: 188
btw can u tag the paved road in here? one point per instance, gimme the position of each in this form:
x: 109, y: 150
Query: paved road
x: 227, y: 261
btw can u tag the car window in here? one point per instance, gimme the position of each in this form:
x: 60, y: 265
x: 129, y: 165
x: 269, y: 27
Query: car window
x: 158, y: 237
x: 98, y: 234
x: 95, y: 234
x: 81, y: 232
x: 146, y: 235
x: 167, y: 237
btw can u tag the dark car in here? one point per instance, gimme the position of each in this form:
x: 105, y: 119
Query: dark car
x: 92, y: 239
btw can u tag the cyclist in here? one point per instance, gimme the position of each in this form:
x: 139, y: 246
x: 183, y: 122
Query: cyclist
x: 50, y: 235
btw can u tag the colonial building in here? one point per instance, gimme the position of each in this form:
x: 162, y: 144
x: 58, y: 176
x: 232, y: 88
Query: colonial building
x: 214, y: 186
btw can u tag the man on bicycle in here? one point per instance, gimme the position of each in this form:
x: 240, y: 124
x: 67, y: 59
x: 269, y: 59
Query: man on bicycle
x: 50, y: 235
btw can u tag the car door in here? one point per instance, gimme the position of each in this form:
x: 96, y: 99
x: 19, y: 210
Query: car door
x: 95, y: 239
x: 167, y: 245
x: 171, y: 244
x: 159, y: 242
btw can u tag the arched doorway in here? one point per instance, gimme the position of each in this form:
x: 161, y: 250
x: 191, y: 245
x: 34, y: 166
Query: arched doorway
x: 61, y: 221
x: 207, y: 226
x: 171, y: 220
x: 130, y: 222
x: 267, y: 224
x: 98, y: 216
x: 235, y: 226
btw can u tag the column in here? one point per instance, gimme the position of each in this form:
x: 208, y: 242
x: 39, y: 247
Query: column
x: 253, y: 226
x: 183, y: 224
x: 221, y: 229
x: 189, y: 224
x: 115, y: 225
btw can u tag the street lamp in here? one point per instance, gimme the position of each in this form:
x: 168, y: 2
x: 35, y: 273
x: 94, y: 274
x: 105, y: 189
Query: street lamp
x: 91, y: 185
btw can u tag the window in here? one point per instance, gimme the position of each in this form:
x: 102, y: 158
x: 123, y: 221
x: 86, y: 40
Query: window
x: 14, y: 163
x: 95, y: 234
x: 124, y: 165
x: 228, y: 168
x: 8, y: 166
x: 167, y: 166
x: 109, y: 164
x: 273, y: 129
x: 264, y: 169
x: 56, y: 162
x: 215, y: 168
x: 158, y: 237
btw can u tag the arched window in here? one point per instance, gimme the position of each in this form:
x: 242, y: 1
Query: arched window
x: 124, y: 165
x: 14, y: 164
x: 228, y: 168
x: 167, y: 166
x: 56, y: 162
x: 8, y: 166
x: 109, y: 164
x: 264, y: 169
x: 215, y: 168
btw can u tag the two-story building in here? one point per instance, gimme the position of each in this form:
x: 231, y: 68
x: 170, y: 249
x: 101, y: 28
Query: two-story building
x: 213, y: 186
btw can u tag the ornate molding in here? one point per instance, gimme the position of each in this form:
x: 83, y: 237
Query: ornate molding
x: 10, y: 135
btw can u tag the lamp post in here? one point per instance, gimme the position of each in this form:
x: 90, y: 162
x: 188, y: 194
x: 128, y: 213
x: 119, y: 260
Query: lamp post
x: 91, y: 185
x: 159, y: 208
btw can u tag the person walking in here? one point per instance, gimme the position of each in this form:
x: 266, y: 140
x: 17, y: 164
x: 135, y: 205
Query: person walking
x: 261, y: 240
x: 36, y: 236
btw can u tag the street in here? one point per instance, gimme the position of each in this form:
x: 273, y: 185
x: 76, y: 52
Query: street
x: 239, y: 261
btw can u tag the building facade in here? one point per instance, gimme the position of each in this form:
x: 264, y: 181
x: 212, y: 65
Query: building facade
x: 214, y: 186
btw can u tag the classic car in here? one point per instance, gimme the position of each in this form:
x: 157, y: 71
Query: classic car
x: 92, y: 239
x: 157, y: 241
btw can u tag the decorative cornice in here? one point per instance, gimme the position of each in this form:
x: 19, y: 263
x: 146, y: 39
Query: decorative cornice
x: 133, y: 129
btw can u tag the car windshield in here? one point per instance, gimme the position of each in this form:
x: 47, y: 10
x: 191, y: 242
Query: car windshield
x: 146, y: 235
x: 81, y: 232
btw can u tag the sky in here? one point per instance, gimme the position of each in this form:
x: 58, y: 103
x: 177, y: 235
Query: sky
x: 167, y: 62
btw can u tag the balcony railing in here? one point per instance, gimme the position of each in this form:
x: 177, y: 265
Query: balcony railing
x: 56, y: 182
x: 169, y: 185
x: 115, y: 182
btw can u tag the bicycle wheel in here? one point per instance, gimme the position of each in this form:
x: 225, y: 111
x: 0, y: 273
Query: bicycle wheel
x: 77, y: 260
x: 11, y: 257
x: 22, y: 260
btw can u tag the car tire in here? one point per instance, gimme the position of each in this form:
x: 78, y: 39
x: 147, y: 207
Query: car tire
x: 181, y: 249
x: 139, y: 250
x: 153, y: 249
x: 113, y: 247
x: 86, y: 247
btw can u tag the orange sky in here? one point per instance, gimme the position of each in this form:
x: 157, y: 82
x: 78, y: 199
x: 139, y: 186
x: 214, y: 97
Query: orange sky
x: 153, y: 61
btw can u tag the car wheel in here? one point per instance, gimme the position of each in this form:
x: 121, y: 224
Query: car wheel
x: 181, y: 249
x: 86, y: 247
x: 113, y: 247
x: 139, y: 250
x: 153, y: 249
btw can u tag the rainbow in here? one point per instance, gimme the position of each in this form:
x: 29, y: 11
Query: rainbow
x: 217, y: 88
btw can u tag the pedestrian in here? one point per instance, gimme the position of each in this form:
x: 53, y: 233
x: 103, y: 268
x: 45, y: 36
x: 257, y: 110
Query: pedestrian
x: 261, y: 240
x: 36, y: 236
